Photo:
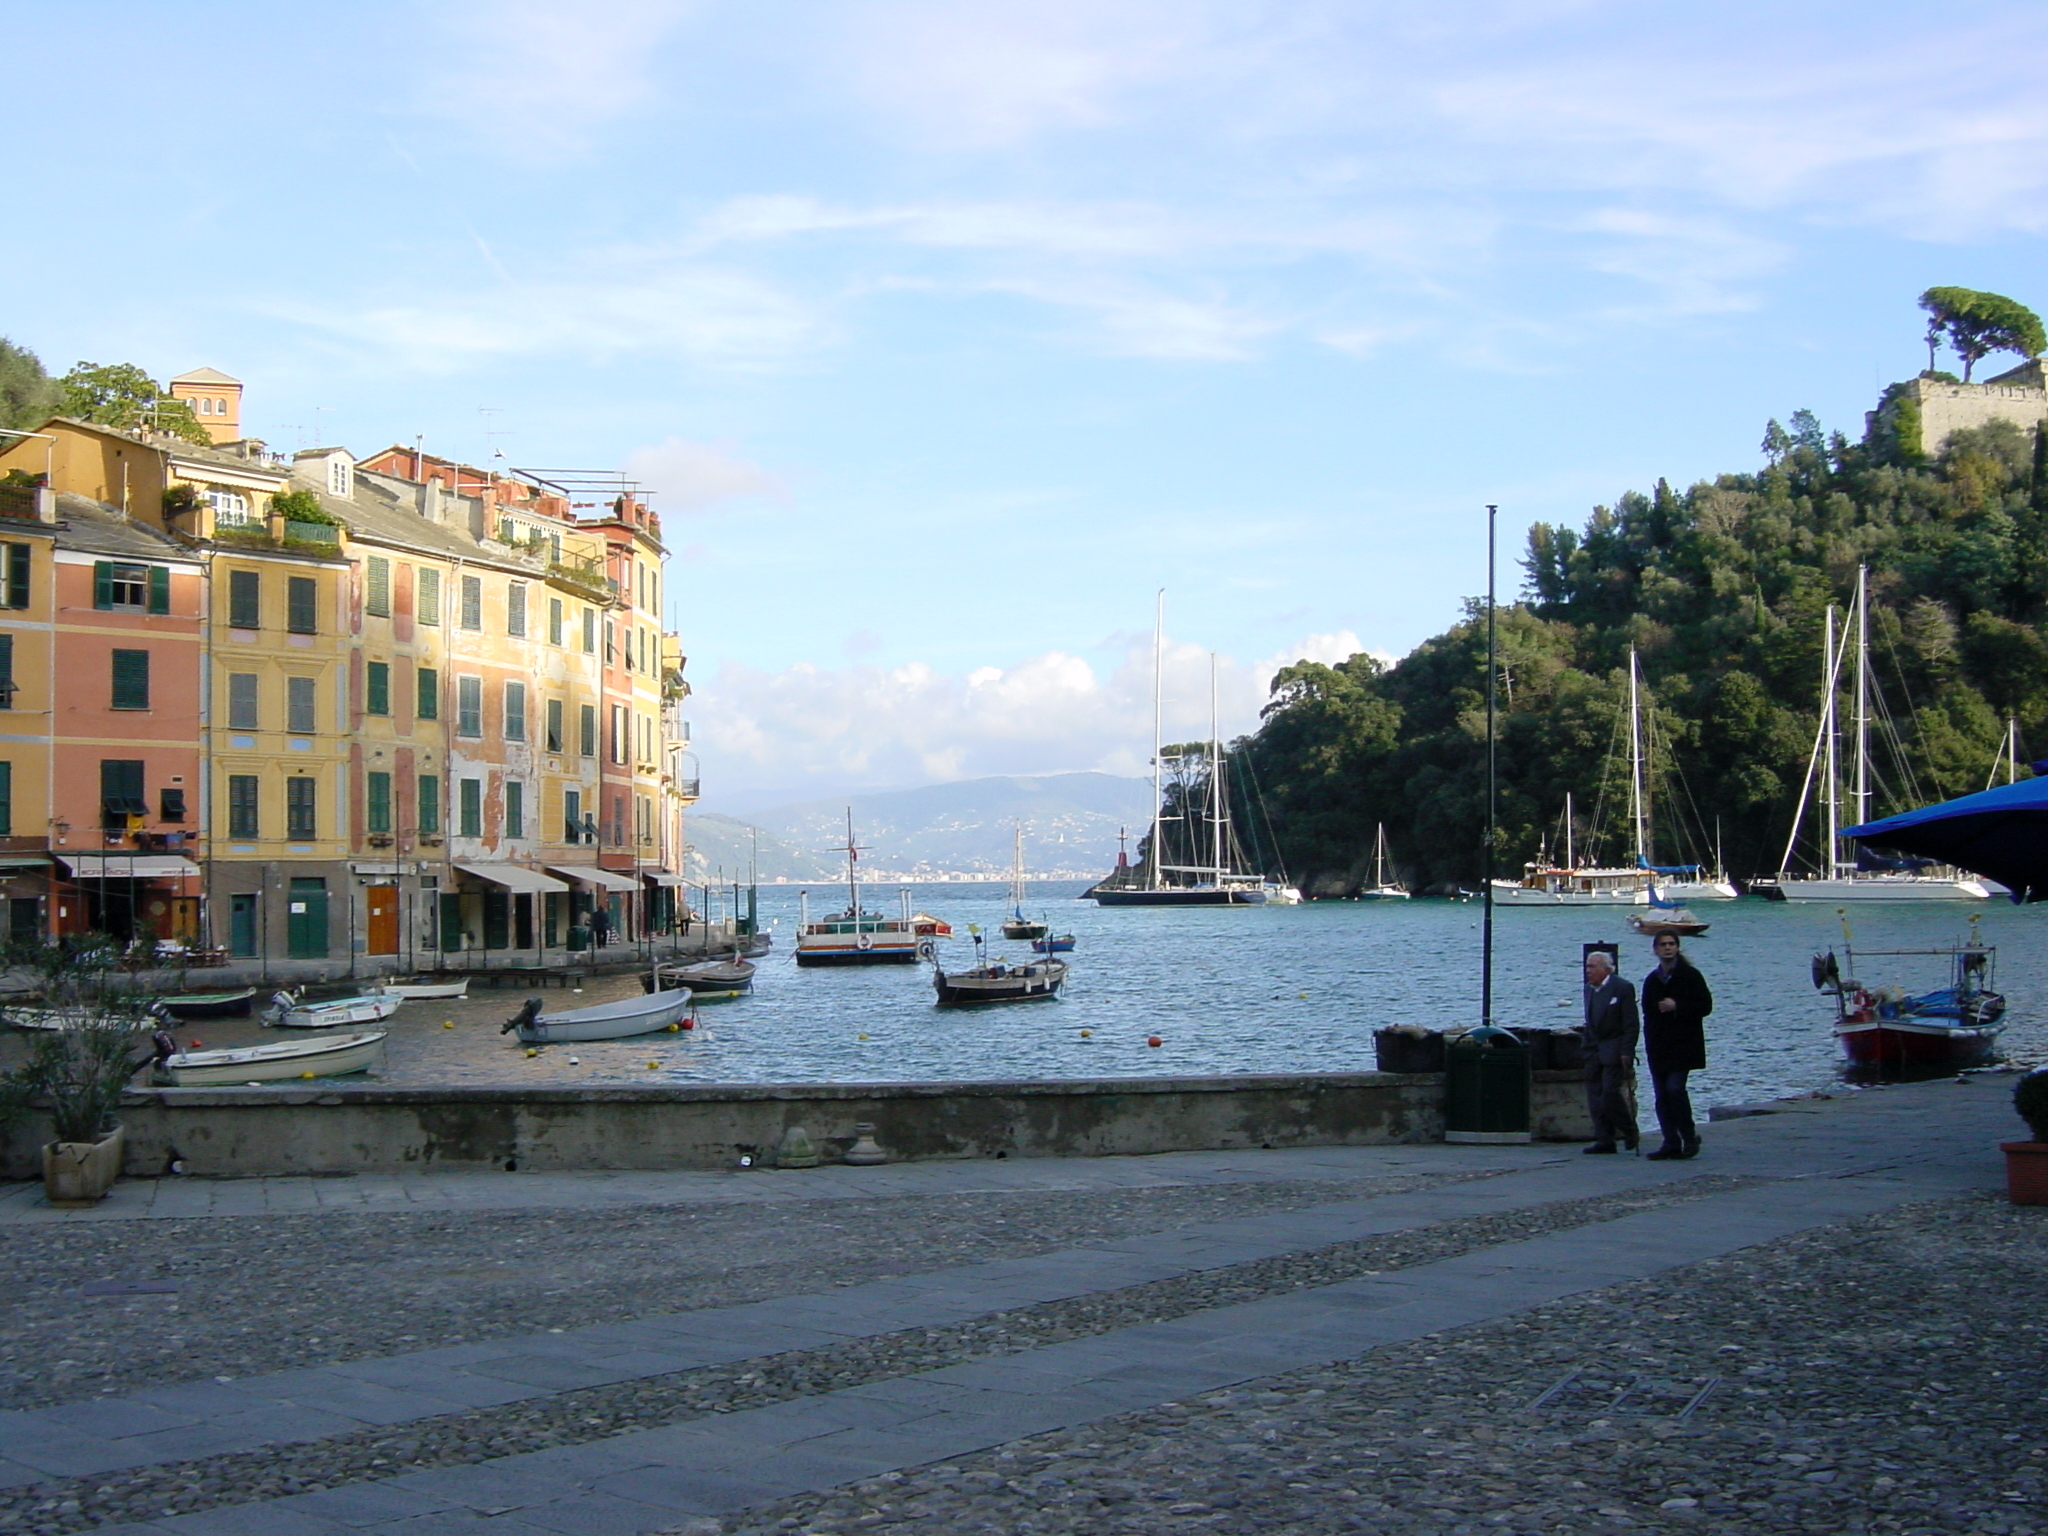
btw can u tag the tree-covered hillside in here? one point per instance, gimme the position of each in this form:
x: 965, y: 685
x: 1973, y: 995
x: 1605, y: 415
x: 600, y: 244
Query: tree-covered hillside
x: 1721, y: 590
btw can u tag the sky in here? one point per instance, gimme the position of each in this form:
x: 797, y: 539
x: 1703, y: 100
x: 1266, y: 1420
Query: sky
x: 947, y: 336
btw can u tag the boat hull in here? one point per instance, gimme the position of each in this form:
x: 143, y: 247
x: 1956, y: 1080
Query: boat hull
x: 1883, y: 888
x: 881, y: 952
x: 1526, y: 896
x: 373, y: 1009
x: 609, y: 1021
x: 211, y: 1005
x: 1916, y: 1044
x: 1035, y: 983
x: 1187, y: 896
x: 410, y: 990
x: 335, y: 1057
x: 1024, y: 930
x: 1057, y: 944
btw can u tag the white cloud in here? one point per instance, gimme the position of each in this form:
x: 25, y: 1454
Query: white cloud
x: 688, y: 477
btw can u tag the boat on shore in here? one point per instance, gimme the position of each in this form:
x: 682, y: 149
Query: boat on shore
x: 209, y: 1005
x: 410, y: 990
x: 995, y: 982
x: 288, y: 1011
x: 279, y: 1061
x: 1887, y: 1029
x: 603, y: 1021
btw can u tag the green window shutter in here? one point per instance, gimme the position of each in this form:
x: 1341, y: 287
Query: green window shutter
x: 6, y: 669
x: 159, y: 589
x: 17, y: 575
x: 6, y: 799
x: 302, y: 605
x: 429, y: 707
x: 245, y: 600
x: 377, y: 687
x: 377, y: 802
x: 242, y: 805
x: 515, y: 808
x: 472, y: 792
x: 378, y: 601
x: 430, y: 802
x: 103, y: 583
x: 131, y: 680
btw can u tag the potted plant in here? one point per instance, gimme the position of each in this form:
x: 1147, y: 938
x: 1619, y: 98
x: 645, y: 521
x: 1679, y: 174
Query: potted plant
x: 2026, y: 1162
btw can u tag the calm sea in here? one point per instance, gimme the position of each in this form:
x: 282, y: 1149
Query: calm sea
x: 1229, y: 990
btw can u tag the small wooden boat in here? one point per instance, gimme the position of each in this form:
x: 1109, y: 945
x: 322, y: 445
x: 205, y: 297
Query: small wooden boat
x: 1672, y: 920
x: 605, y: 1021
x: 1054, y: 944
x: 210, y: 1005
x: 702, y: 976
x: 325, y: 1056
x: 1037, y: 982
x: 1887, y: 1029
x: 287, y: 1011
x: 408, y: 990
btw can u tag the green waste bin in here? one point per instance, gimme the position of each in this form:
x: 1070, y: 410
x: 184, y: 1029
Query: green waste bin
x: 1486, y: 1087
x: 579, y: 939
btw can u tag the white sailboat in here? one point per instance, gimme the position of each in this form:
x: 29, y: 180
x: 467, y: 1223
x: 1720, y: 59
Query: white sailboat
x: 1017, y: 925
x: 1841, y: 878
x: 1382, y: 889
x: 1673, y: 884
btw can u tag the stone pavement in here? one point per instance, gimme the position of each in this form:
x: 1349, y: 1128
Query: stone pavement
x: 1811, y: 1163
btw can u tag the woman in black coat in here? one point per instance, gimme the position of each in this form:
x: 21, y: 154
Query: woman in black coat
x: 1676, y: 1003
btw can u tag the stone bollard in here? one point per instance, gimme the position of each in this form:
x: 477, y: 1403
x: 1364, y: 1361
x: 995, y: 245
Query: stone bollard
x: 796, y: 1150
x: 864, y: 1153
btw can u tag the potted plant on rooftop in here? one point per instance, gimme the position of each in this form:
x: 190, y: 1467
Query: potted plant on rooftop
x: 2026, y: 1162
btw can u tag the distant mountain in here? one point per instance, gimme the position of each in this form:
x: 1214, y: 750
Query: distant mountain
x: 723, y: 844
x: 1070, y: 822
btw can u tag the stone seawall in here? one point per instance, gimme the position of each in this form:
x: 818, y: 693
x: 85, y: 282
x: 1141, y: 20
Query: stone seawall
x: 222, y: 1132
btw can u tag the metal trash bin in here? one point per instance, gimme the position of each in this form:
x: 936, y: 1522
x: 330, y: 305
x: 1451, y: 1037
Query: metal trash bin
x: 579, y: 939
x: 1486, y: 1087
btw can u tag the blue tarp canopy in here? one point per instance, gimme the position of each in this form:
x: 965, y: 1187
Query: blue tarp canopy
x: 2001, y: 833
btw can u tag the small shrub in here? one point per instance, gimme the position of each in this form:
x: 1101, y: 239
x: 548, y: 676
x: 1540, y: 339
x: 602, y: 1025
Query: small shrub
x: 2030, y: 1098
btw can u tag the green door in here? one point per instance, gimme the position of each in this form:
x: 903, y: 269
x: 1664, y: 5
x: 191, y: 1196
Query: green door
x: 307, y: 929
x: 451, y: 920
x: 242, y: 924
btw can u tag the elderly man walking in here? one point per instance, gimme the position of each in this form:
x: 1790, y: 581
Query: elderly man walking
x: 1612, y: 1025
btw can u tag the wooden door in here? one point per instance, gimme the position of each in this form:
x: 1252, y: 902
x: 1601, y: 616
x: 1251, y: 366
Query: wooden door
x: 382, y: 902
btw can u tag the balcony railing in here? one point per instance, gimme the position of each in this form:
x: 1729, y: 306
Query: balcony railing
x: 585, y: 575
x: 311, y: 533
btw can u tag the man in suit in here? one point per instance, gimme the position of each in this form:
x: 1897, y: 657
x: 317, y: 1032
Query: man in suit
x: 1612, y: 1025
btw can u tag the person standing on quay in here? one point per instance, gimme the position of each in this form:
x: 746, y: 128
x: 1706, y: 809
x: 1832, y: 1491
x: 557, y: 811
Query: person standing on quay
x: 1611, y: 1027
x: 1676, y: 1003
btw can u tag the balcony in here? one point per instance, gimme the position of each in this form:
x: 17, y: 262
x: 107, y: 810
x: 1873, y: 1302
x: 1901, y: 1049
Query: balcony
x: 585, y: 576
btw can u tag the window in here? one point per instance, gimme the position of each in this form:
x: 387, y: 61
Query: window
x: 245, y: 600
x: 302, y: 605
x: 515, y: 808
x: 14, y: 568
x: 586, y: 730
x: 572, y: 816
x: 6, y: 671
x: 554, y: 621
x: 230, y: 508
x: 618, y: 829
x: 515, y: 608
x: 298, y: 807
x: 139, y: 588
x: 430, y: 802
x: 515, y: 711
x: 171, y: 805
x: 472, y: 602
x: 338, y: 477
x: 242, y: 707
x: 472, y: 807
x: 428, y: 705
x: 121, y: 792
x: 377, y: 687
x: 618, y: 741
x: 6, y: 799
x: 131, y: 680
x: 430, y: 596
x: 590, y: 631
x: 469, y: 706
x: 554, y: 736
x: 300, y: 695
x: 242, y: 805
x: 611, y: 642
x: 377, y: 600
x: 376, y: 802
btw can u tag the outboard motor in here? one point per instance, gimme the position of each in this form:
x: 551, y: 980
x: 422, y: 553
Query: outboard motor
x: 525, y: 1015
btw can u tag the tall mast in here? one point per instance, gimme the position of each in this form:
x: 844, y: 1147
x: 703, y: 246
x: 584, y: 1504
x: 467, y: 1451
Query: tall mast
x: 852, y: 873
x: 1219, y: 808
x: 1158, y: 743
x: 1635, y: 764
x: 1830, y: 726
x: 1486, y: 873
x: 1862, y: 694
x: 1570, y: 860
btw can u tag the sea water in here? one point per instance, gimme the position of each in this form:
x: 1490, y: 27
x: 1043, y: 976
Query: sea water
x: 1228, y: 990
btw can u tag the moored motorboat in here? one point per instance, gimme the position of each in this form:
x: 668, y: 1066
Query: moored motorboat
x: 1676, y: 921
x: 1038, y: 981
x: 1887, y: 1029
x: 411, y: 990
x: 210, y: 1005
x: 280, y: 1061
x: 1054, y: 944
x: 724, y: 976
x: 605, y: 1021
x: 288, y: 1011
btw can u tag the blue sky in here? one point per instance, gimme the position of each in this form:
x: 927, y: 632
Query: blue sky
x: 947, y: 334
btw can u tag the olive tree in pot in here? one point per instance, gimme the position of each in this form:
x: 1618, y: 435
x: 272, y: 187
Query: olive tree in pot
x: 2026, y: 1162
x: 76, y: 1071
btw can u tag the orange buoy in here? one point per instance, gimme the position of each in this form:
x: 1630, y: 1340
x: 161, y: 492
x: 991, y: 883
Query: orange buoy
x: 1154, y: 1040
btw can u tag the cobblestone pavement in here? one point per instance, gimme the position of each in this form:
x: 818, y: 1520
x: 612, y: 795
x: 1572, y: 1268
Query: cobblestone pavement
x: 1813, y: 1327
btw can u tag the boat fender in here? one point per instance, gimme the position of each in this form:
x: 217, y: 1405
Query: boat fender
x: 864, y: 941
x: 926, y: 949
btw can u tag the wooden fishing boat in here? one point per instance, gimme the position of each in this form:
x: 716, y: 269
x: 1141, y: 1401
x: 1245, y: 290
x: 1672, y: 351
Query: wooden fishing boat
x: 210, y: 1005
x: 408, y: 990
x: 281, y: 1061
x: 729, y: 976
x: 1675, y: 920
x: 1053, y: 944
x: 1887, y: 1029
x: 288, y: 1011
x: 605, y: 1021
x: 1036, y: 982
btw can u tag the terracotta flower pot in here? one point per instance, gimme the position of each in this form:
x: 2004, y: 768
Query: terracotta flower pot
x: 78, y: 1173
x: 2026, y: 1171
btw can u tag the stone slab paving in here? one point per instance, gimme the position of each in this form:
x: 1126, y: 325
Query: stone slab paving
x: 1826, y: 1161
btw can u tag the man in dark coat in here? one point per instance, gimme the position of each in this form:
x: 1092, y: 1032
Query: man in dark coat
x: 1611, y: 1029
x: 1676, y: 1003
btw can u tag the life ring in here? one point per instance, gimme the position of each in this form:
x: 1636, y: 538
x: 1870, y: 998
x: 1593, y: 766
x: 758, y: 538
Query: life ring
x: 926, y: 949
x: 865, y: 941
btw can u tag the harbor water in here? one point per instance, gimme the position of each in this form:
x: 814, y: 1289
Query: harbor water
x: 1226, y: 991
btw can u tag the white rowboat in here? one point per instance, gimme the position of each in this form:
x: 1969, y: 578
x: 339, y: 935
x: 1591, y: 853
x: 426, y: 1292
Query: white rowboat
x: 415, y: 989
x: 605, y: 1021
x: 286, y: 1012
x: 330, y: 1056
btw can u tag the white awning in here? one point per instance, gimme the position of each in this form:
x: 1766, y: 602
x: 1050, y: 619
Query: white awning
x: 603, y: 879
x: 127, y: 866
x: 663, y: 877
x: 23, y: 860
x: 514, y: 877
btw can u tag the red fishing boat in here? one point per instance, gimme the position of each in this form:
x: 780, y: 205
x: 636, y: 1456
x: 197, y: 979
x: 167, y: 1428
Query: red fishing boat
x: 1887, y: 1029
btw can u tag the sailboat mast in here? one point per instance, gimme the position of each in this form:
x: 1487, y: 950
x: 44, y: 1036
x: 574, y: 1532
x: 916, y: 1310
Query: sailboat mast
x: 1570, y: 860
x: 1219, y: 808
x: 1862, y: 792
x: 1158, y: 744
x: 852, y: 873
x: 1635, y: 764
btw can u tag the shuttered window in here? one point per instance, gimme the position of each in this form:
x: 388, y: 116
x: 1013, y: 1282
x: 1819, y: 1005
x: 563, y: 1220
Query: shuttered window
x: 242, y: 805
x: 572, y: 815
x: 14, y: 569
x: 428, y: 705
x: 245, y: 600
x: 554, y: 621
x: 377, y: 687
x: 590, y: 631
x: 430, y: 802
x: 472, y: 602
x: 242, y: 708
x: 472, y: 807
x: 299, y: 796
x: 302, y: 605
x: 515, y: 711
x: 6, y: 671
x: 515, y: 808
x: 469, y: 706
x: 131, y: 680
x: 430, y: 596
x: 586, y: 730
x: 376, y: 802
x: 300, y: 706
x: 515, y: 609
x: 6, y: 799
x: 377, y: 600
x: 554, y: 736
x: 121, y: 790
x: 116, y: 584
